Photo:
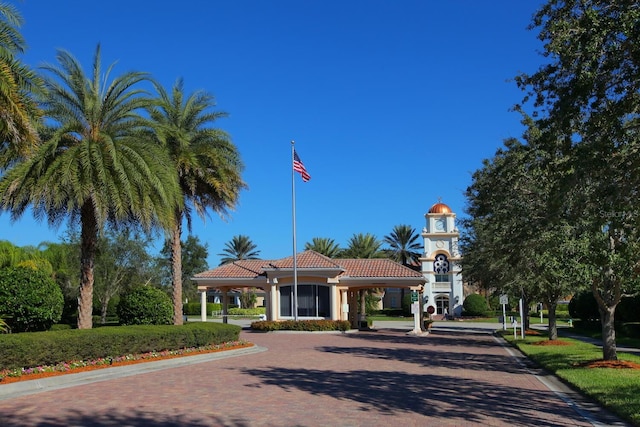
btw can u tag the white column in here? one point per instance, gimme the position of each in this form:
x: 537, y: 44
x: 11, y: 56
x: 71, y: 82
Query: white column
x: 203, y: 306
x: 225, y: 306
x: 268, y: 301
x: 344, y: 315
x: 274, y: 303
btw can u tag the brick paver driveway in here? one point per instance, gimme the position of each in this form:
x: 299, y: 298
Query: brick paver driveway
x: 382, y: 378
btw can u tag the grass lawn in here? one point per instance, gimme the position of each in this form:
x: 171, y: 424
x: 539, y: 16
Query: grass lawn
x: 616, y: 388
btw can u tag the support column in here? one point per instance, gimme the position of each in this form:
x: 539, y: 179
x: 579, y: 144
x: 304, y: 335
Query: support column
x: 268, y: 301
x: 225, y: 305
x: 335, y: 303
x: 275, y: 303
x: 344, y: 303
x: 203, y: 305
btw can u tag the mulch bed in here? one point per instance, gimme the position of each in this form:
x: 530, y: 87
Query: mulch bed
x: 552, y: 342
x: 39, y: 375
x: 614, y: 364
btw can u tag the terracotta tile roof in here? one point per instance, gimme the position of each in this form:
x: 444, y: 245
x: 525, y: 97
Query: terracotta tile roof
x: 376, y: 268
x: 354, y: 268
x: 306, y: 259
x: 246, y: 268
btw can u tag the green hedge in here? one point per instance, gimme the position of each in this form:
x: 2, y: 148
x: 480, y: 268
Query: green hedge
x: 193, y: 308
x: 247, y: 311
x: 301, y: 325
x: 33, y: 349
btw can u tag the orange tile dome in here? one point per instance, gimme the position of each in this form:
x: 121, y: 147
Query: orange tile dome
x: 440, y: 208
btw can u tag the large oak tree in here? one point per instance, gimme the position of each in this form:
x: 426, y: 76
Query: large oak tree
x: 586, y: 101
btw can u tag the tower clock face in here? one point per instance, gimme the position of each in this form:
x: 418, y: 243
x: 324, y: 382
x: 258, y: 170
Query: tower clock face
x: 440, y: 224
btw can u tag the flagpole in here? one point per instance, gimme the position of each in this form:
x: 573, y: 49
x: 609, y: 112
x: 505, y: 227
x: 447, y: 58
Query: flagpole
x: 295, y: 258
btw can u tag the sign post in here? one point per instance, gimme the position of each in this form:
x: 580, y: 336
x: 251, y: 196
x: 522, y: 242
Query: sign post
x: 504, y: 300
x: 415, y: 309
x: 521, y: 319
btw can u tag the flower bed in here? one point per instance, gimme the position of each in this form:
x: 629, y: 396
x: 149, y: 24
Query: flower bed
x: 25, y: 374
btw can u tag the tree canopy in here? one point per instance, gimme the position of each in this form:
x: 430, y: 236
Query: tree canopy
x: 569, y: 213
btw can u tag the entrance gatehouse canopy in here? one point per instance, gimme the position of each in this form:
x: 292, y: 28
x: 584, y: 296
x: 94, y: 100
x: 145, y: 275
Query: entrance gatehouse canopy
x: 326, y: 287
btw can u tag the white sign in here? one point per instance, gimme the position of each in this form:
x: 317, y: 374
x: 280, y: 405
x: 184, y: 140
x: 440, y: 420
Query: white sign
x: 415, y: 308
x: 504, y: 299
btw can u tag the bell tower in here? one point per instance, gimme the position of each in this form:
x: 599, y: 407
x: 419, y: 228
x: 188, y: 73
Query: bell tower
x: 441, y: 261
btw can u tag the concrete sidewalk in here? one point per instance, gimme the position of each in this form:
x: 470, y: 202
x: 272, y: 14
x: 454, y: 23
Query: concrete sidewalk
x: 462, y: 377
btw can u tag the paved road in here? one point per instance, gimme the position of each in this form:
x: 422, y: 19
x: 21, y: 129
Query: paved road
x: 453, y: 377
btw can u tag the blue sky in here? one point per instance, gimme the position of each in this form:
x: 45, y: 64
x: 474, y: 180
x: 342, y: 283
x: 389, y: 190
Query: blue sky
x: 392, y: 104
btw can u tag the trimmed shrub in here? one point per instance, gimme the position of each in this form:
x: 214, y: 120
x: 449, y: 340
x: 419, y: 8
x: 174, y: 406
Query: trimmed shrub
x: 145, y: 305
x: 193, y: 308
x: 30, y: 300
x: 251, y: 312
x: 301, y: 325
x: 474, y: 305
x: 52, y: 347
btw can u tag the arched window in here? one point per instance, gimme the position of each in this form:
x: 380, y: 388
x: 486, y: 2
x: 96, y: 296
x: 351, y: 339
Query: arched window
x: 441, y: 264
x: 441, y: 268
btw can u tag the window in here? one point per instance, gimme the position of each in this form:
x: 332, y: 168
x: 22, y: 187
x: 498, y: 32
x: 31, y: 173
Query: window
x: 313, y: 301
x: 442, y: 278
x: 442, y: 305
x: 441, y: 264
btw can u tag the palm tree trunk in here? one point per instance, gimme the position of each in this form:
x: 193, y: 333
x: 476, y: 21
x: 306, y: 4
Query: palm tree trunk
x: 88, y: 245
x: 176, y: 269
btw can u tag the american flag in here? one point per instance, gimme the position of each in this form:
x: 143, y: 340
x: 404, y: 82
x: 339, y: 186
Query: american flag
x: 299, y: 167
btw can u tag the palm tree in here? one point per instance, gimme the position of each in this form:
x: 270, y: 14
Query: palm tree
x: 205, y: 160
x: 18, y: 111
x: 93, y: 166
x: 363, y: 246
x: 323, y: 245
x: 238, y: 248
x: 405, y: 247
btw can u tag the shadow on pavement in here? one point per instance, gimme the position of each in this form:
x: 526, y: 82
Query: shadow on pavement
x: 468, y: 401
x: 131, y: 419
